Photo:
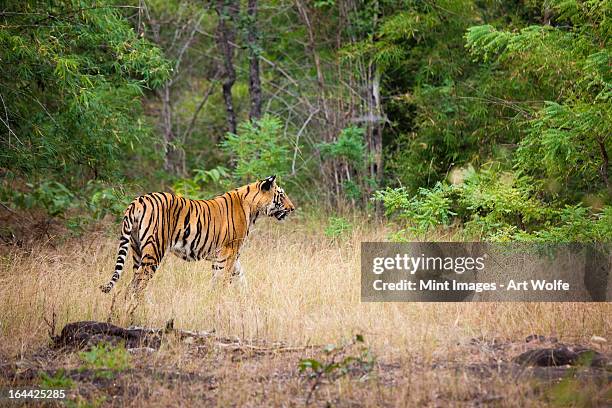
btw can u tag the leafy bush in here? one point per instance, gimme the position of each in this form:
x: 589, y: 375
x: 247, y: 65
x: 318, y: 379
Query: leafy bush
x: 539, y: 187
x: 338, y: 227
x: 51, y: 196
x: 96, y: 200
x: 103, y: 199
x: 575, y: 224
x: 204, y: 183
x: 566, y: 137
x: 337, y: 364
x: 259, y: 149
x: 495, y: 205
x: 350, y: 151
x: 352, y: 190
x: 429, y: 208
x: 57, y: 380
x: 106, y: 359
x: 349, y: 146
x: 71, y: 88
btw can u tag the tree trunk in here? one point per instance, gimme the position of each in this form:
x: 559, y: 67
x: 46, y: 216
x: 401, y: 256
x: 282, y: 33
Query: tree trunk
x: 254, y: 79
x: 174, y: 157
x: 605, y: 162
x: 317, y: 62
x: 375, y: 129
x: 329, y: 168
x: 228, y: 12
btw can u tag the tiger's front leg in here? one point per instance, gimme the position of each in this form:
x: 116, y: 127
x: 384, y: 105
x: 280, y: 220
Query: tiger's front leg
x: 238, y: 274
x: 227, y: 266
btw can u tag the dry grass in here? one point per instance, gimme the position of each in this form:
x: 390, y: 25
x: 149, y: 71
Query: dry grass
x: 303, y: 288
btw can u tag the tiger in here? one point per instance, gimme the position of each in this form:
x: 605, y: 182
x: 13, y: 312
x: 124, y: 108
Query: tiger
x: 214, y: 229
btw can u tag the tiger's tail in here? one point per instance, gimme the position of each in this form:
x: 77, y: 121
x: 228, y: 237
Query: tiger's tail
x: 124, y: 242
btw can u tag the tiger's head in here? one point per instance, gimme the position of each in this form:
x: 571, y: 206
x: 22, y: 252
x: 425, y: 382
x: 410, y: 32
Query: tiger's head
x: 274, y: 200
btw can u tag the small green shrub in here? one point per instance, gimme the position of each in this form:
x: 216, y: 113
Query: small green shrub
x: 338, y: 227
x: 106, y: 360
x: 338, y: 364
x: 349, y: 151
x: 51, y: 196
x: 352, y: 190
x: 259, y: 149
x: 58, y: 380
x: 204, y: 183
x: 428, y: 209
x: 350, y: 146
x: 103, y: 199
x: 571, y: 391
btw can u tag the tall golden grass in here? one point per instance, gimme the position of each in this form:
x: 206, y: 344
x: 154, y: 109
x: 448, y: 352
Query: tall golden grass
x: 303, y: 287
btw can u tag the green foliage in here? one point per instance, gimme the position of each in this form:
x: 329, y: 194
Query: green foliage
x: 349, y: 149
x: 204, y: 183
x: 337, y: 364
x: 493, y: 201
x: 259, y: 149
x: 574, y: 224
x: 51, y: 196
x: 80, y: 402
x: 567, y: 137
x: 444, y: 109
x: 96, y: 200
x: 338, y: 227
x: 71, y: 84
x: 428, y: 209
x: 102, y: 199
x: 334, y: 368
x: 570, y: 391
x: 352, y: 190
x: 532, y: 98
x: 350, y: 146
x: 324, y: 3
x: 57, y: 380
x: 106, y: 360
x: 495, y: 206
x: 521, y: 91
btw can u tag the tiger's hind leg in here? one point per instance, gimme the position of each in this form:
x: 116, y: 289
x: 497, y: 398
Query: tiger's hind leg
x: 147, y: 265
x: 136, y: 256
x: 135, y: 292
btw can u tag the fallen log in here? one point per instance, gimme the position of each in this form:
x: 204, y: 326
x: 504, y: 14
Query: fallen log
x: 90, y: 333
x: 560, y: 356
x: 85, y: 334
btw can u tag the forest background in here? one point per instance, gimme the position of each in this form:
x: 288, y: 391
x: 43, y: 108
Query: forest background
x: 491, y: 119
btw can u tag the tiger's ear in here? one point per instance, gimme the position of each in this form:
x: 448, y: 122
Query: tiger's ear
x: 266, y: 184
